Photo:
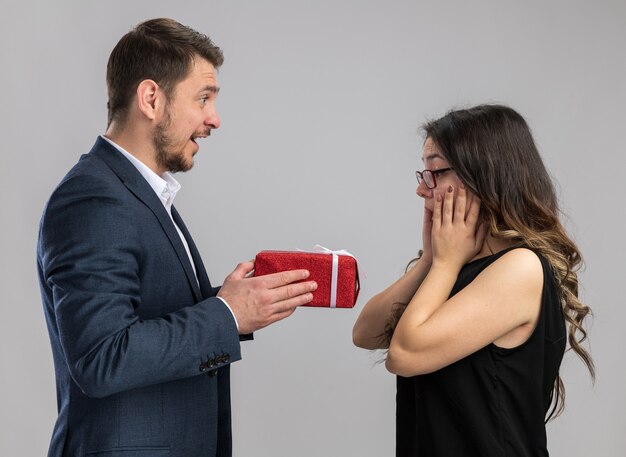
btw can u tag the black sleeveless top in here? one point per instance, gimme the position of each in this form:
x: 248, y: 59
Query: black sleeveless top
x: 494, y: 401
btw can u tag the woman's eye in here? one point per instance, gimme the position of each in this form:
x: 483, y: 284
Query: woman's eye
x: 440, y: 172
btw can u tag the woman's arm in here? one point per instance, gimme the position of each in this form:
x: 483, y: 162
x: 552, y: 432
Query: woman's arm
x: 435, y: 331
x: 369, y: 326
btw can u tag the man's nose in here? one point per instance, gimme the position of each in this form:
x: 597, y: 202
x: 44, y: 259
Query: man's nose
x: 213, y: 120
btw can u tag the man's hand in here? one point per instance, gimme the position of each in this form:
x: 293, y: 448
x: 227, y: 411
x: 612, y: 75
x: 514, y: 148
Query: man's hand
x: 260, y: 301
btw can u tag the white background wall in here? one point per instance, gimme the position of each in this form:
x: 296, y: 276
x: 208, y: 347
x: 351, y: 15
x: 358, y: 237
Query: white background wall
x: 320, y: 104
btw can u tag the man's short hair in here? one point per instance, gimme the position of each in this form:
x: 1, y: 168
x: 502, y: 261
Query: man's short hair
x: 159, y: 49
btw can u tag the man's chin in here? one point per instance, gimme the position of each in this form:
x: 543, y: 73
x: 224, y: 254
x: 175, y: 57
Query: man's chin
x: 189, y: 161
x: 184, y: 167
x: 179, y: 164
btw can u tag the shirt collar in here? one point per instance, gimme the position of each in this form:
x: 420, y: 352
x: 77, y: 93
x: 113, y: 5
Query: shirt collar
x: 165, y: 186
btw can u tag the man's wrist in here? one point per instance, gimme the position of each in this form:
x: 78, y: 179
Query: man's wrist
x: 231, y: 311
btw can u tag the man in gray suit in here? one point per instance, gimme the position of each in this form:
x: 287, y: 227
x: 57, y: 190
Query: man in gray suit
x: 141, y: 341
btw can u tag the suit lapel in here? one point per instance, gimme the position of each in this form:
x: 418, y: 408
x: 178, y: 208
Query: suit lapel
x: 203, y: 277
x: 136, y: 183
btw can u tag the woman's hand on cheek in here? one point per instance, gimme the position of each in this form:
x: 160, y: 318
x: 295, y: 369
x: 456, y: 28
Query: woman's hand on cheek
x: 456, y: 235
x: 427, y: 228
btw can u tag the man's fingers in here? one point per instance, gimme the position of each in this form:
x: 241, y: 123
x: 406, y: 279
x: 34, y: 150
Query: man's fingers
x: 242, y: 270
x: 258, y: 302
x: 283, y: 278
x: 281, y: 315
x: 292, y: 290
x: 291, y: 303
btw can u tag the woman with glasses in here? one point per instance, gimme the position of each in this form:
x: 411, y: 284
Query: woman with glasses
x: 477, y: 327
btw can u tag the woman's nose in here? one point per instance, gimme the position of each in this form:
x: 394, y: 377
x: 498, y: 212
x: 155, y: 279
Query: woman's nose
x: 423, y: 191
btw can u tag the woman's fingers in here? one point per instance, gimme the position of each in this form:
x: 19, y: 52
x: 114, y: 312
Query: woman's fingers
x: 427, y: 227
x: 456, y: 233
x: 428, y: 216
x: 455, y: 206
x: 460, y: 204
x: 448, y: 206
x: 437, y: 211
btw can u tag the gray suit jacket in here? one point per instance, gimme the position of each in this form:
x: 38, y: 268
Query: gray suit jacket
x: 141, y: 352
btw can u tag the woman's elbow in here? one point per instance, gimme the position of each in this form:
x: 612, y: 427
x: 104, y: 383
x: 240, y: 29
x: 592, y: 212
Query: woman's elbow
x: 392, y: 362
x: 364, y: 340
x: 403, y: 363
x: 358, y: 339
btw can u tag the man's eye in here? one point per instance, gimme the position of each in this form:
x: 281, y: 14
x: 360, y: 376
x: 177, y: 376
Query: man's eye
x: 204, y: 99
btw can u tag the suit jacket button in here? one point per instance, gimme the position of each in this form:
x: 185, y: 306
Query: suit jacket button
x: 203, y: 368
x: 213, y: 373
x: 211, y: 363
x: 226, y: 358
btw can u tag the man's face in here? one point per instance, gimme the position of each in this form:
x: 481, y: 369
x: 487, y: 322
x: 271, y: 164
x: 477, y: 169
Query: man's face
x: 189, y: 114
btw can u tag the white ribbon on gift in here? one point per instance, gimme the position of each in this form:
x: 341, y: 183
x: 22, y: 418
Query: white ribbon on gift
x: 318, y: 249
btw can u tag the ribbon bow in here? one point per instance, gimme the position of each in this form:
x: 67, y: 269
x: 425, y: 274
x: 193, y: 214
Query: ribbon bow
x: 335, y: 271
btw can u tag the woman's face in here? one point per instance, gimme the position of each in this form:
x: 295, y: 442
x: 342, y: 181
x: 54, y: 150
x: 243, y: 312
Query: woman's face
x: 434, y: 160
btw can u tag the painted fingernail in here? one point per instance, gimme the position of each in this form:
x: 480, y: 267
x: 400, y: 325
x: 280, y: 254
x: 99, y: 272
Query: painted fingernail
x: 450, y: 189
x: 438, y: 197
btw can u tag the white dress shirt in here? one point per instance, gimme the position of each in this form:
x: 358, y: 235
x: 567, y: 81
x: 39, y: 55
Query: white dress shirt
x: 166, y: 188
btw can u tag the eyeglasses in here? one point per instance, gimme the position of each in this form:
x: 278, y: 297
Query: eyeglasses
x: 430, y: 176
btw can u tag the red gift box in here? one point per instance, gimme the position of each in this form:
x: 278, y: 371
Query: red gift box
x: 322, y: 268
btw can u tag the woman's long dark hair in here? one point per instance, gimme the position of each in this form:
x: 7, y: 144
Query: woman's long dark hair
x: 491, y: 149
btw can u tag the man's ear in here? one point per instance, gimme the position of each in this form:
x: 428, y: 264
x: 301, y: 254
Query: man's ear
x: 148, y: 98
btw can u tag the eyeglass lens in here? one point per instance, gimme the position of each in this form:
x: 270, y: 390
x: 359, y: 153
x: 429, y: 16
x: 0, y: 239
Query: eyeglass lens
x: 427, y: 176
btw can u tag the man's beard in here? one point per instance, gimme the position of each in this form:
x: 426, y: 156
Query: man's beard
x: 166, y: 157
